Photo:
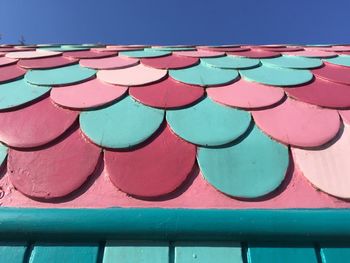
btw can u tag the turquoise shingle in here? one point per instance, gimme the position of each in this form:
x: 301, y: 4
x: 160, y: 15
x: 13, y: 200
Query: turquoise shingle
x: 59, y: 76
x: 204, y: 75
x: 276, y: 76
x: 250, y: 167
x: 136, y: 252
x: 123, y: 124
x: 64, y: 253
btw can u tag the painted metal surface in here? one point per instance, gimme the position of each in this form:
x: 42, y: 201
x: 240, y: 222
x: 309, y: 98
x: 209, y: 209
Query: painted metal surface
x: 176, y: 224
x: 174, y: 252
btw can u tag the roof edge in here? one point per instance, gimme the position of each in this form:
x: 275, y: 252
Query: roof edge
x: 175, y: 224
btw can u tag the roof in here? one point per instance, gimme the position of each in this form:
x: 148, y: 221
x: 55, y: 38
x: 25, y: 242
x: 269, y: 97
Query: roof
x: 175, y: 126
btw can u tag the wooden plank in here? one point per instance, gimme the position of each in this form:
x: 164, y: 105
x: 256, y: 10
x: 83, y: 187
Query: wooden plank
x: 64, y: 252
x: 270, y: 253
x: 338, y: 253
x: 223, y: 252
x: 12, y: 252
x: 136, y: 252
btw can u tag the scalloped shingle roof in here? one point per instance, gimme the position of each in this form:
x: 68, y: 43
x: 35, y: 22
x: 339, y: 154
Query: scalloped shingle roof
x: 258, y: 123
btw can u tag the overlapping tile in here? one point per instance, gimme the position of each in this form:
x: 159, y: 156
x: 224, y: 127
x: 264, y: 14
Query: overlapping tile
x: 334, y: 73
x: 256, y: 53
x: 204, y: 75
x: 59, y: 76
x: 170, y: 62
x: 3, y: 154
x: 132, y: 76
x: 32, y: 54
x: 88, y: 54
x: 63, y: 48
x: 223, y: 48
x: 114, y: 62
x: 200, y: 124
x: 199, y: 54
x: 298, y: 124
x: 46, y: 63
x: 248, y: 168
x: 205, y: 93
x: 90, y: 94
x: 53, y: 171
x: 245, y: 94
x: 146, y: 53
x: 19, y: 92
x: 276, y: 76
x: 174, y: 48
x: 123, y: 124
x: 131, y: 171
x: 7, y: 61
x: 311, y: 53
x: 322, y: 93
x: 231, y: 62
x: 341, y: 60
x: 284, y: 49
x: 35, y: 125
x: 10, y: 73
x: 293, y: 62
x: 167, y: 93
x: 345, y: 115
x: 332, y: 177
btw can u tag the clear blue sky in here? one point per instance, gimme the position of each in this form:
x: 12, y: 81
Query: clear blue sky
x: 176, y: 21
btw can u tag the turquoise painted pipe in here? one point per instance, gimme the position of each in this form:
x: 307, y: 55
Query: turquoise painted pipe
x: 175, y: 224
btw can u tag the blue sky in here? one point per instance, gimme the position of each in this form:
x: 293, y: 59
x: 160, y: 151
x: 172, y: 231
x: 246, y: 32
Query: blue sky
x: 176, y: 21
